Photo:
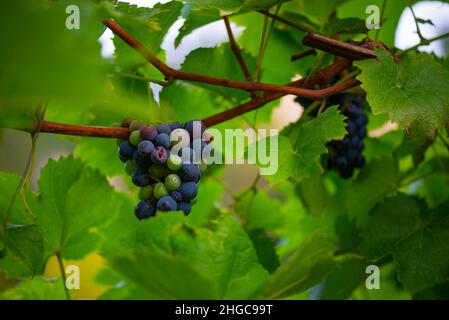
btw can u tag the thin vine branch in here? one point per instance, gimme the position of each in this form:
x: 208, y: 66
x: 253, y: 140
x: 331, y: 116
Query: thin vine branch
x: 338, y: 48
x: 181, y: 75
x: 286, y: 22
x: 236, y: 50
x: 123, y: 133
x: 303, y: 54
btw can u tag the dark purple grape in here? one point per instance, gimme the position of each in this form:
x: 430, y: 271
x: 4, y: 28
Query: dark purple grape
x: 185, y: 207
x: 126, y: 150
x: 167, y: 204
x: 145, y: 148
x: 188, y: 190
x: 142, y: 161
x: 148, y: 133
x: 159, y: 155
x: 163, y: 128
x: 162, y: 140
x: 144, y: 209
x: 141, y: 178
x: 176, y: 195
x: 189, y: 172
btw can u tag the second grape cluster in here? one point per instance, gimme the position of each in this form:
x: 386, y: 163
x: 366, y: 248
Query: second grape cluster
x: 162, y: 161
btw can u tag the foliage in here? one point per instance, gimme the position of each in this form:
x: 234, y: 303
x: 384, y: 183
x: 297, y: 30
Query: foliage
x: 301, y: 233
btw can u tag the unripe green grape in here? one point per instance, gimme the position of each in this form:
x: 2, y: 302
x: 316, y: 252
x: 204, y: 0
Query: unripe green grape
x: 160, y: 190
x: 146, y: 192
x: 174, y: 162
x: 156, y: 171
x: 172, y: 182
x: 130, y: 167
x: 134, y: 138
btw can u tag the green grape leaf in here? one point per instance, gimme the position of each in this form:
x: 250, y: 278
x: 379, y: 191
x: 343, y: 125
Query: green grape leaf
x: 27, y: 244
x: 340, y: 284
x: 301, y: 157
x: 36, y: 289
x: 40, y: 27
x: 194, y: 18
x: 171, y: 259
x: 416, y: 237
x: 345, y: 26
x: 308, y: 266
x: 256, y: 211
x: 265, y: 248
x: 187, y: 103
x: 147, y: 25
x: 74, y: 199
x: 376, y: 180
x: 318, y: 11
x: 412, y: 92
x: 282, y: 45
x: 313, y: 193
x: 219, y: 62
x: 21, y: 240
x: 230, y: 6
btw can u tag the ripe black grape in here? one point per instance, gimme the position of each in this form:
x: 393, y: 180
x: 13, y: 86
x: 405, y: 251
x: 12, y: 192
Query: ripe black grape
x: 168, y: 179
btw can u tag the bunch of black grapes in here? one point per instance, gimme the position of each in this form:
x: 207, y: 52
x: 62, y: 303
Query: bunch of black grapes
x: 165, y: 161
x: 346, y: 154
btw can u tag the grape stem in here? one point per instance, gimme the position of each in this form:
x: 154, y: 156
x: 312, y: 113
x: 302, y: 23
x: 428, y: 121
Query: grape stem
x: 246, y: 86
x: 255, y: 103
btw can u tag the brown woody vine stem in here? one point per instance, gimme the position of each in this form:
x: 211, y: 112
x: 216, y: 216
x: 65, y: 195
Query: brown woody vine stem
x: 181, y: 75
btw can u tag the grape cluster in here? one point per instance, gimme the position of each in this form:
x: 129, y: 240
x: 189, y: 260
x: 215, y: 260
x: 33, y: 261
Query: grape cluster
x: 165, y: 161
x: 346, y: 155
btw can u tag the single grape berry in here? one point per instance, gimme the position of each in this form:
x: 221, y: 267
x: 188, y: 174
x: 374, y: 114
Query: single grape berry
x: 134, y: 138
x: 144, y: 209
x: 159, y: 155
x: 160, y: 190
x: 163, y: 128
x: 145, y: 148
x: 185, y: 207
x: 167, y: 204
x: 162, y: 140
x: 156, y: 171
x: 148, y: 133
x: 126, y: 150
x: 172, y: 182
x: 188, y: 190
x: 174, y: 162
x: 146, y: 192
x: 189, y: 172
x: 176, y: 195
x: 141, y: 178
